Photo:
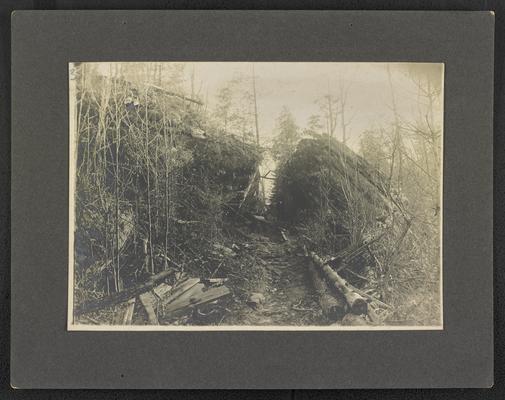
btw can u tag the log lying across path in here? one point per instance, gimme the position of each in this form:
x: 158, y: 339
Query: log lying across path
x: 333, y: 308
x: 357, y: 304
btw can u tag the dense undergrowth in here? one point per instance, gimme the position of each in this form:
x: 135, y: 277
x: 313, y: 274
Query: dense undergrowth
x: 343, y: 208
x: 158, y: 187
x: 161, y: 186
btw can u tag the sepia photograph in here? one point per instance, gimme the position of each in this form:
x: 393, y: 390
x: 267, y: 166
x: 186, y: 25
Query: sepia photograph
x: 255, y: 196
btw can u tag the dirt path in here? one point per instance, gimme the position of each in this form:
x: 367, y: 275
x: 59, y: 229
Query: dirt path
x: 284, y: 288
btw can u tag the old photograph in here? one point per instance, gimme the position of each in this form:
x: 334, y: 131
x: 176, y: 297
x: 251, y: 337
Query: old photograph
x: 255, y: 196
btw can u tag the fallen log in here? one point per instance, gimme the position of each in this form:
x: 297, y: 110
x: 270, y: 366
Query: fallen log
x: 357, y: 304
x: 342, y: 266
x: 369, y: 297
x: 333, y: 308
x: 120, y: 297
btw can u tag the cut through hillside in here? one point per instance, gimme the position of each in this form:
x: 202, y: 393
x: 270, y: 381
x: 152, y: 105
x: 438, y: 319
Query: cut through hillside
x: 186, y: 219
x: 271, y: 272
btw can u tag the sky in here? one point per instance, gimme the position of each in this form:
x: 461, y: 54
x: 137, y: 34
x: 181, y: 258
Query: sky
x: 297, y: 86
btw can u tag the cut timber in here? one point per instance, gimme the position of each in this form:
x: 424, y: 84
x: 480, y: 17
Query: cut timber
x: 181, y: 288
x: 120, y: 297
x: 128, y: 315
x: 162, y: 290
x: 332, y: 308
x: 150, y: 302
x: 184, y: 298
x: 357, y: 303
x: 196, y: 296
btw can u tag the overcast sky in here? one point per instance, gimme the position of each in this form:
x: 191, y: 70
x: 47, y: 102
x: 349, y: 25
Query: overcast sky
x: 297, y: 85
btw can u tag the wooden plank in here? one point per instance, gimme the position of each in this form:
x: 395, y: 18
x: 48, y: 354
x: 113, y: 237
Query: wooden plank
x: 128, y: 315
x: 196, y: 296
x: 162, y: 290
x: 184, y: 298
x: 180, y: 289
x: 149, y: 302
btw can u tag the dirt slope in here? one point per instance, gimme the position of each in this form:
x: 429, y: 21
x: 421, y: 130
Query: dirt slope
x: 284, y: 290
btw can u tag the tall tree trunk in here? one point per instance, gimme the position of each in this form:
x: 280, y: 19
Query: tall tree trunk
x: 343, y: 125
x: 116, y: 182
x: 116, y: 195
x: 397, y: 146
x: 257, y: 129
x: 167, y: 199
x: 150, y: 244
x: 330, y: 115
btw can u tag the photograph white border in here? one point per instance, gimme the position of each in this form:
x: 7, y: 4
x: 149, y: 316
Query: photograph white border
x: 71, y: 326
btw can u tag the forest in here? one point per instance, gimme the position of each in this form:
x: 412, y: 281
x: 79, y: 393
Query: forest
x: 253, y: 195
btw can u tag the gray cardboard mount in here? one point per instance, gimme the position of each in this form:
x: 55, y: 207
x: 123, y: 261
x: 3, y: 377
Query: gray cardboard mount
x: 45, y: 355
